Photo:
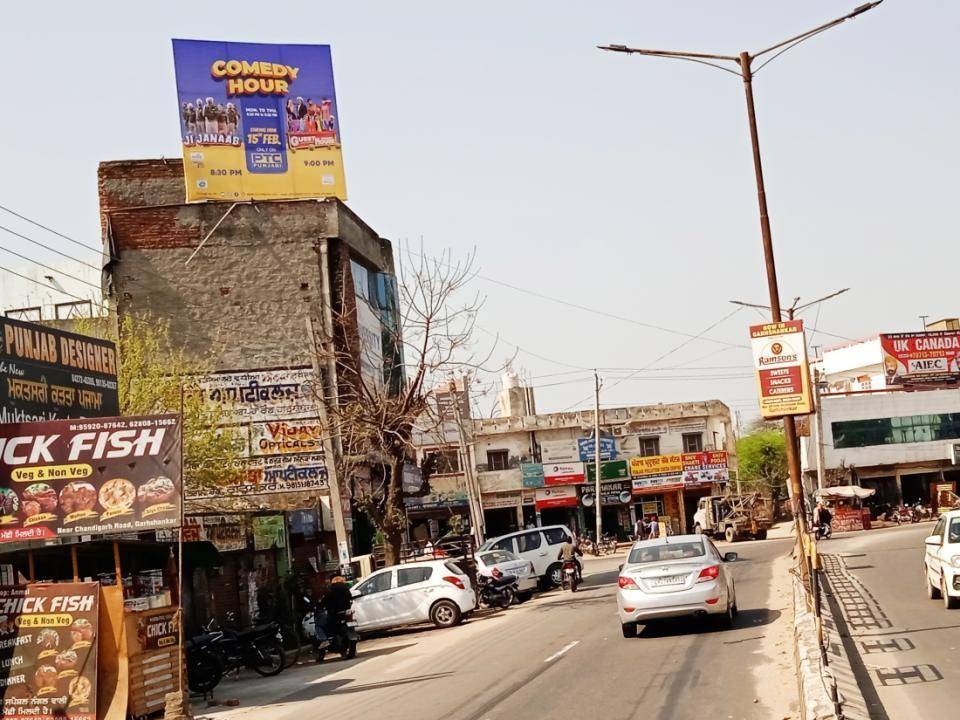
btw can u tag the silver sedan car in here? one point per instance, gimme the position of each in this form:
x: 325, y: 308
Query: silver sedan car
x: 672, y: 577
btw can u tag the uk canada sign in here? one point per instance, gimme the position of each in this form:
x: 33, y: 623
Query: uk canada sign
x: 922, y: 357
x: 783, y: 377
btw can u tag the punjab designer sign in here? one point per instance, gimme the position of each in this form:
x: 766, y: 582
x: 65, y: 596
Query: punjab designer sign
x: 925, y: 357
x: 73, y: 477
x: 48, y: 650
x: 780, y: 358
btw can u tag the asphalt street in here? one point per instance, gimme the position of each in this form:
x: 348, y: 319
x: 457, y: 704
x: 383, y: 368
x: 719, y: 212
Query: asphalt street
x: 557, y: 656
x: 904, y: 645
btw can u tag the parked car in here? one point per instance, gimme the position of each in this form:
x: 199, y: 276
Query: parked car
x: 673, y: 577
x: 538, y: 545
x: 491, y: 562
x: 436, y: 591
x: 941, y: 560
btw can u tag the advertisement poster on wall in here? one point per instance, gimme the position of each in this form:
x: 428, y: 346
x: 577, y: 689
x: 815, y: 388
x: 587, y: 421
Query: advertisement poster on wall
x: 552, y: 497
x: 656, y: 471
x: 286, y: 437
x: 559, y: 451
x: 273, y: 474
x: 563, y: 473
x: 77, y: 477
x: 269, y: 532
x: 923, y: 357
x: 50, y: 635
x: 783, y: 377
x: 705, y: 468
x: 258, y: 121
x: 48, y: 374
x: 262, y: 395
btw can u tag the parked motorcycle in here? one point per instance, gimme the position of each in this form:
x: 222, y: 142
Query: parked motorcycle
x: 204, y: 667
x: 569, y: 575
x: 497, y: 591
x: 257, y: 648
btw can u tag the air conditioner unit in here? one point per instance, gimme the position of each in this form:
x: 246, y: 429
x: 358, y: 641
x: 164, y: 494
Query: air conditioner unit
x: 619, y: 430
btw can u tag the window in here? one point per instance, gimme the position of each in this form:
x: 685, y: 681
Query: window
x: 448, y: 461
x: 376, y: 583
x: 692, y: 442
x: 655, y: 551
x: 412, y: 576
x: 498, y: 459
x: 528, y: 541
x: 649, y: 446
x: 496, y: 557
x: 556, y: 536
x: 453, y: 567
x: 896, y: 430
x: 954, y: 536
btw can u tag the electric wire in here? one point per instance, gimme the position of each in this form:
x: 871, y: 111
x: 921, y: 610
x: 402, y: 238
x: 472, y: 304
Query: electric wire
x: 51, y: 230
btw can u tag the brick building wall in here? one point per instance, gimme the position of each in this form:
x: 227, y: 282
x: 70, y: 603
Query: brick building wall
x: 246, y: 295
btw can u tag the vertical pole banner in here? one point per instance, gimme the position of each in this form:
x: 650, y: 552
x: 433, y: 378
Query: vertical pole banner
x: 783, y: 376
x: 258, y: 121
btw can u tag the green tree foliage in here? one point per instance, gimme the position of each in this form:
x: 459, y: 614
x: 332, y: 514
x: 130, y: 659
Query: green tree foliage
x: 762, y: 459
x: 155, y: 378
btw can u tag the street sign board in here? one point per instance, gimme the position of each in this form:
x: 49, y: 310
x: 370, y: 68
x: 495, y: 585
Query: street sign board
x: 587, y: 448
x: 783, y: 377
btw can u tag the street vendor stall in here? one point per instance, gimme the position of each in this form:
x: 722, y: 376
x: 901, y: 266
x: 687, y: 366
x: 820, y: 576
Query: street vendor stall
x: 845, y: 502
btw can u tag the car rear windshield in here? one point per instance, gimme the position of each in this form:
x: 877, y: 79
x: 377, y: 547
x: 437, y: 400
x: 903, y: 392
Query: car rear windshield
x: 454, y: 568
x: 497, y: 556
x: 666, y: 551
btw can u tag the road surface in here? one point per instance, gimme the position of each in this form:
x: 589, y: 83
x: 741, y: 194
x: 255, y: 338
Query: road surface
x: 558, y: 656
x: 904, y: 646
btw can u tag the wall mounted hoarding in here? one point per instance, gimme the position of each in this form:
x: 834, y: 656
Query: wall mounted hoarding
x: 587, y: 449
x: 47, y: 374
x: 78, y: 477
x: 923, y: 357
x: 273, y: 474
x: 49, y: 637
x: 532, y: 475
x: 563, y: 473
x: 552, y: 497
x: 262, y: 395
x: 705, y: 468
x: 783, y: 377
x: 258, y: 121
x: 559, y: 451
x: 611, y: 493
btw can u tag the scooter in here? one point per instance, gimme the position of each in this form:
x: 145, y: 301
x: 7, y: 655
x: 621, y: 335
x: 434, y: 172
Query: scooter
x: 341, y: 639
x: 823, y: 532
x: 499, y: 590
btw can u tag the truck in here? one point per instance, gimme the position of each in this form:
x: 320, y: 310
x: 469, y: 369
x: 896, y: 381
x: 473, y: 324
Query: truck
x: 732, y: 517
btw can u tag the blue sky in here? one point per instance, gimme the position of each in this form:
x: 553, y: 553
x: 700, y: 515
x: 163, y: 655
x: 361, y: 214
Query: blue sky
x: 616, y: 182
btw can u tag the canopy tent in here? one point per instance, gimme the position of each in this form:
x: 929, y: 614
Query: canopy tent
x: 845, y: 492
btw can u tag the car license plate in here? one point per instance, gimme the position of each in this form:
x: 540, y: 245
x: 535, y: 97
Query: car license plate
x: 669, y: 580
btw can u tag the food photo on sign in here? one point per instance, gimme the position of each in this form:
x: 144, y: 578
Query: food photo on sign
x: 73, y: 477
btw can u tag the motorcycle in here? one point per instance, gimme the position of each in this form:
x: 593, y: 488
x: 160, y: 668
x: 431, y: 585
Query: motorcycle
x: 257, y: 648
x: 823, y: 532
x: 569, y: 575
x: 499, y: 590
x: 340, y: 637
x: 204, y: 667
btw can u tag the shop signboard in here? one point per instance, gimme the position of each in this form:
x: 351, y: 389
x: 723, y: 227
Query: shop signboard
x: 227, y: 533
x: 559, y: 451
x: 412, y: 478
x: 783, y: 377
x: 261, y: 395
x: 532, y: 475
x: 611, y: 493
x: 552, y: 497
x: 50, y: 660
x: 493, y: 501
x: 273, y: 474
x: 660, y: 472
x: 612, y: 470
x: 563, y: 473
x: 156, y: 631
x: 269, y: 531
x: 587, y: 448
x: 79, y: 477
x: 704, y: 468
x: 437, y: 500
x: 286, y: 437
x: 46, y: 374
x: 258, y: 121
x: 922, y: 357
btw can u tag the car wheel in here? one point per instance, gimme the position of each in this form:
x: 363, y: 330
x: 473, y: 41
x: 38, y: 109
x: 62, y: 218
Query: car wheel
x: 629, y: 630
x: 444, y: 614
x: 949, y: 602
x: 725, y: 621
x: 933, y: 592
x: 554, y: 575
x: 730, y: 535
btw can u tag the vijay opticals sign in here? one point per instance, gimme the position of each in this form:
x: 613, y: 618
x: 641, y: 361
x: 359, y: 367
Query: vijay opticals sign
x: 258, y: 121
x: 780, y: 359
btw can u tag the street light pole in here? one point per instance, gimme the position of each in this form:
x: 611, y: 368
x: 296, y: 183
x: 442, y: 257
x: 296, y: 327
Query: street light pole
x: 746, y: 71
x: 596, y: 453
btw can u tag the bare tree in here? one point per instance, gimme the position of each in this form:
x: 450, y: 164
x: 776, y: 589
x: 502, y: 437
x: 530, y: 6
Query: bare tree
x: 383, y: 404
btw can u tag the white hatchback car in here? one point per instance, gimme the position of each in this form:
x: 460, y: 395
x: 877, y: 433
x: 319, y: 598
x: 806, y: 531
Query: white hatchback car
x: 672, y: 577
x: 941, y: 560
x: 436, y: 591
x: 491, y: 562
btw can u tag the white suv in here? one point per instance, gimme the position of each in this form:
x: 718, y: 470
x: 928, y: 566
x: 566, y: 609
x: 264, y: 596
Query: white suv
x: 436, y: 591
x: 941, y: 560
x: 538, y: 545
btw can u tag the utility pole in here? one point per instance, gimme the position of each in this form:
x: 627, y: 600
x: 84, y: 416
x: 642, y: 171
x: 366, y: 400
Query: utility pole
x: 597, y: 502
x: 923, y: 319
x: 473, y: 490
x: 818, y: 426
x: 746, y: 71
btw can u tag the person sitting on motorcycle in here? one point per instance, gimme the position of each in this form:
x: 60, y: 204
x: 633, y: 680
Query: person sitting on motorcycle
x: 821, y: 519
x: 568, y: 553
x: 336, y: 601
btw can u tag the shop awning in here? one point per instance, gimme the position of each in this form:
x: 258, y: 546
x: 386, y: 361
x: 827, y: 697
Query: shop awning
x: 846, y: 492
